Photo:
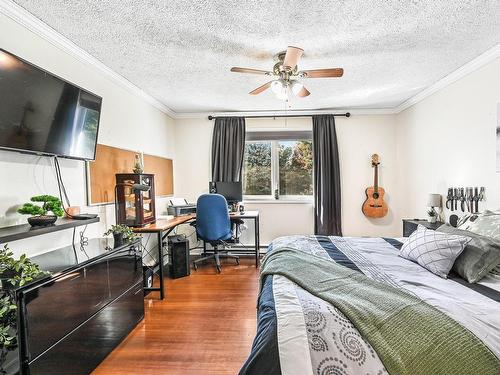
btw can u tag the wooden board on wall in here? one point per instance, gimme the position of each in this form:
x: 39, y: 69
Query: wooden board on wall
x: 163, y: 169
x: 112, y: 160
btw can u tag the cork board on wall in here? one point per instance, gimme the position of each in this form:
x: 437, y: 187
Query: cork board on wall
x: 111, y: 160
x: 163, y: 169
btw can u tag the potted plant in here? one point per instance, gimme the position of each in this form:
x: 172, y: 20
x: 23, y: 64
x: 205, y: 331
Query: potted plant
x: 13, y: 273
x: 38, y: 212
x: 431, y: 215
x: 121, y: 234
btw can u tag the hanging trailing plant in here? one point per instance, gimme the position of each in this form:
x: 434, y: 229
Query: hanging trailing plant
x: 13, y: 273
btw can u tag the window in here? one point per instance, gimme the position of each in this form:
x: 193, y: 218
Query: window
x: 257, y: 171
x: 278, y: 164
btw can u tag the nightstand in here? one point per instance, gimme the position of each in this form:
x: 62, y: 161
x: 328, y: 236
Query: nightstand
x: 410, y: 225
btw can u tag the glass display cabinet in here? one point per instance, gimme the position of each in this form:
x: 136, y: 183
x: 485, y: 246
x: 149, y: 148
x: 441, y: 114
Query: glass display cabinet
x: 135, y: 199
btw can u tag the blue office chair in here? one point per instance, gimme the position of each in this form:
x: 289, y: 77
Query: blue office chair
x: 213, y: 226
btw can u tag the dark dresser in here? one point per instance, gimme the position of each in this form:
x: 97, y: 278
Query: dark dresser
x: 71, y: 320
x: 410, y: 225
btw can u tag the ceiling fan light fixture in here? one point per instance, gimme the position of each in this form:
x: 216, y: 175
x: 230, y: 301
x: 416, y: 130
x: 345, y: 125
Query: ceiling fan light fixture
x: 277, y: 86
x: 282, y: 95
x: 286, y: 75
x: 296, y: 86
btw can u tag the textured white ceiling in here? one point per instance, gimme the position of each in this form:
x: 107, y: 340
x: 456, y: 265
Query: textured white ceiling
x: 180, y: 52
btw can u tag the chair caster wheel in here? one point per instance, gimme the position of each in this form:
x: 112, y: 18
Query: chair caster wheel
x: 238, y: 262
x: 218, y: 270
x: 195, y: 267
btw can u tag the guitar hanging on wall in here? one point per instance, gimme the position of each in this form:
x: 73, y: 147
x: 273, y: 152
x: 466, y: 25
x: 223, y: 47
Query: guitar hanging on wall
x: 374, y: 205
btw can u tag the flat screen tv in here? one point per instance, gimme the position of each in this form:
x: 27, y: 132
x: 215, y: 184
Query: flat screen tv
x: 43, y: 114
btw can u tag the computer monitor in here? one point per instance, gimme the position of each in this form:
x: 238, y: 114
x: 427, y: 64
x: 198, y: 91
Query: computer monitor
x: 232, y: 191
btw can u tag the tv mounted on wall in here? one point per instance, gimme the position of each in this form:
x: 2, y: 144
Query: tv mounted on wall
x: 44, y: 114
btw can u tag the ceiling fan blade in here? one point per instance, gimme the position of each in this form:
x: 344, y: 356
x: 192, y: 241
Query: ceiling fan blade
x: 303, y: 92
x: 259, y: 89
x: 323, y: 73
x: 249, y: 70
x: 292, y: 56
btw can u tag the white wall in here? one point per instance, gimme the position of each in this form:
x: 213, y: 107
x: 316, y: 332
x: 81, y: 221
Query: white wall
x: 448, y: 140
x: 127, y: 121
x: 358, y: 138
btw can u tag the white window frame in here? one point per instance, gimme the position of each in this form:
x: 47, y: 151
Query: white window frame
x: 275, y: 174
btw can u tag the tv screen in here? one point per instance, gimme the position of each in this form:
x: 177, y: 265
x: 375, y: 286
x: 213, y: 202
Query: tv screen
x: 41, y: 113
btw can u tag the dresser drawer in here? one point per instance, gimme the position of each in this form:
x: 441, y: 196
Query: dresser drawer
x: 87, y: 346
x: 125, y: 269
x: 411, y: 225
x: 53, y: 310
x: 408, y: 228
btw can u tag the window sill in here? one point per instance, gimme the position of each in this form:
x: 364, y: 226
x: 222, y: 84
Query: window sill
x: 277, y: 201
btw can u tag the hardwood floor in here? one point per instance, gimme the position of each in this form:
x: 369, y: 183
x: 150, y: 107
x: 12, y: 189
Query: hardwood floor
x: 205, y: 325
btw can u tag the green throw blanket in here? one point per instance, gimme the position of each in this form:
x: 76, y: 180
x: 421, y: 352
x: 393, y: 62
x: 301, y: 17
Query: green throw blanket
x: 410, y: 336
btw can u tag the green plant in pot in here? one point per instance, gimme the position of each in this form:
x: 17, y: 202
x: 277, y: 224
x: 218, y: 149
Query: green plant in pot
x: 432, y: 215
x: 13, y: 273
x: 121, y: 234
x: 39, y: 207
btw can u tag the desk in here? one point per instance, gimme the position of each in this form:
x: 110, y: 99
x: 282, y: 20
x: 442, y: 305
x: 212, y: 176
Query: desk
x: 162, y: 228
x: 251, y: 215
x: 248, y: 215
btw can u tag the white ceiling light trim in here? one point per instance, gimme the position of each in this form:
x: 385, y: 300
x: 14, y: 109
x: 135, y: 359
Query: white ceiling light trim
x: 41, y: 29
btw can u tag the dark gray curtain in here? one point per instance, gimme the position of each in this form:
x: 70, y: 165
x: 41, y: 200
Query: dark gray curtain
x: 228, y: 146
x: 327, y: 198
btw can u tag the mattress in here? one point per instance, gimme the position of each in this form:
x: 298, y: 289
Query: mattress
x: 298, y: 333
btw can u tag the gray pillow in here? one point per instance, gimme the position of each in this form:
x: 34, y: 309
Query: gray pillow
x: 485, y: 224
x: 433, y: 250
x: 480, y: 256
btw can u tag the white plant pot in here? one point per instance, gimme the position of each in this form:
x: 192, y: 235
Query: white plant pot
x: 432, y: 219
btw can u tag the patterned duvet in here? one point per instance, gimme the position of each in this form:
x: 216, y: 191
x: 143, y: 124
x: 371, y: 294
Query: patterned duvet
x: 299, y: 333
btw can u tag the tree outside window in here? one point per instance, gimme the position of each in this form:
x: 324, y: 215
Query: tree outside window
x: 257, y: 176
x: 283, y: 165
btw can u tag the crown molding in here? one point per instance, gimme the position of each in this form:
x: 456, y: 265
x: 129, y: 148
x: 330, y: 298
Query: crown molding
x: 360, y: 111
x: 473, y: 65
x: 41, y: 29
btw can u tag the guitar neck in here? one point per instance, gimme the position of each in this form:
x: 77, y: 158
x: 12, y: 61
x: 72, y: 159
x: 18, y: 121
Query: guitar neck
x: 375, y: 179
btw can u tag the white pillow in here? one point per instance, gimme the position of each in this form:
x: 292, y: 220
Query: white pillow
x: 435, y: 251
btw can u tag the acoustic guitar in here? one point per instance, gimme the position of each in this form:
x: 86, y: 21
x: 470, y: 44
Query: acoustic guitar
x: 375, y: 205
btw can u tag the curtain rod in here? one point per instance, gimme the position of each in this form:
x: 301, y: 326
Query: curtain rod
x: 347, y: 114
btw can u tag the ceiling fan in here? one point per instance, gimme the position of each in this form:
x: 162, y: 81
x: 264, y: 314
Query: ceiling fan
x: 287, y: 75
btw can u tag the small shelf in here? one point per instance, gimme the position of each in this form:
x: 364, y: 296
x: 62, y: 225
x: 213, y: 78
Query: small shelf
x: 19, y: 232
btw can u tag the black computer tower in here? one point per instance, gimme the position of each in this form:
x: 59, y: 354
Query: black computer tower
x: 178, y: 247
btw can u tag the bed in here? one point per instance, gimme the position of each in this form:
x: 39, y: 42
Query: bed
x: 300, y: 333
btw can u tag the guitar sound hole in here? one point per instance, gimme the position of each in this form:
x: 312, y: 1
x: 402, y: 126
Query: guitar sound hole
x: 375, y: 195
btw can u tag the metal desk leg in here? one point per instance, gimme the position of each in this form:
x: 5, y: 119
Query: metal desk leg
x: 257, y: 241
x: 160, y: 260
